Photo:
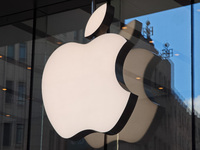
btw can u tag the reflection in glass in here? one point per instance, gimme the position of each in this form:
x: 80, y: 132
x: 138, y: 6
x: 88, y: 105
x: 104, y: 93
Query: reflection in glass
x: 7, y: 134
x: 171, y: 26
x: 9, y: 91
x: 21, y: 92
x: 170, y: 83
x: 196, y: 14
x: 165, y: 86
x: 14, y: 84
x: 19, y: 133
x: 22, y: 52
x: 11, y: 51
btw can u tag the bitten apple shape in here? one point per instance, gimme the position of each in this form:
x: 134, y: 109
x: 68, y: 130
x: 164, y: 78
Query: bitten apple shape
x: 79, y: 87
x: 81, y: 93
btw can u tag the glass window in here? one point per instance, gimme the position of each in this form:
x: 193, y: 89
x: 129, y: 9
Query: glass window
x: 11, y: 51
x: 19, y: 133
x: 22, y: 52
x: 9, y: 91
x: 13, y: 76
x: 168, y: 32
x: 7, y: 134
x: 21, y: 92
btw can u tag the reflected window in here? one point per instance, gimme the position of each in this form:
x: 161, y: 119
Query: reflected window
x: 19, y: 133
x: 7, y: 133
x: 10, y: 91
x: 22, y: 52
x: 21, y: 92
x: 11, y: 52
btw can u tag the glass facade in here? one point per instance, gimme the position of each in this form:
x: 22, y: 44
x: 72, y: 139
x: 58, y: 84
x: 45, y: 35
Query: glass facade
x: 167, y: 31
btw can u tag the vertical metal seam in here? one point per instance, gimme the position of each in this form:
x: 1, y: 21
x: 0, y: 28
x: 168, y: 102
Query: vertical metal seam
x: 93, y: 6
x: 32, y: 75
x: 45, y: 60
x: 192, y: 76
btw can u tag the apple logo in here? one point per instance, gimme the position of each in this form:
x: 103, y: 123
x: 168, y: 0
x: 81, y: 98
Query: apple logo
x: 80, y: 82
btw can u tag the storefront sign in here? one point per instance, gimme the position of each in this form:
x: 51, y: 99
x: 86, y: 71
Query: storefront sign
x: 80, y: 90
x: 93, y: 87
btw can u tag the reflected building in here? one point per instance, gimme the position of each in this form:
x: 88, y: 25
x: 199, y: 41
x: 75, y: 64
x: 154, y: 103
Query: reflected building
x: 14, y: 93
x: 173, y: 132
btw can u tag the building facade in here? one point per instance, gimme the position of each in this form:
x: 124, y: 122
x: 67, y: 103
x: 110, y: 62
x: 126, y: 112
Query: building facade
x: 30, y: 31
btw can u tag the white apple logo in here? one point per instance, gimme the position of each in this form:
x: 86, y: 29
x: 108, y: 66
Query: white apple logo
x: 81, y: 93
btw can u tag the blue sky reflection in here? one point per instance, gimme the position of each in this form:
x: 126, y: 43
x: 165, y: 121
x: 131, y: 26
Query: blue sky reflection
x: 174, y: 26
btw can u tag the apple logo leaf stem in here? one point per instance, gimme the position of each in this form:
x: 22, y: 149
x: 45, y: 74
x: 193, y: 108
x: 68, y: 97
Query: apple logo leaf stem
x: 99, y: 22
x: 84, y: 95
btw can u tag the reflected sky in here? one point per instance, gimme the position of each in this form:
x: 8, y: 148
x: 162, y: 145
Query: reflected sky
x: 174, y: 26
